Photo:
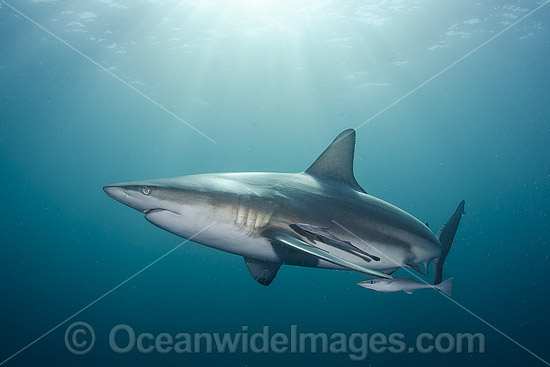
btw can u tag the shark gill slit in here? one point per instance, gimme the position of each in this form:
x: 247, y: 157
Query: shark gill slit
x: 250, y: 218
x: 266, y: 215
x: 242, y: 211
x: 260, y: 219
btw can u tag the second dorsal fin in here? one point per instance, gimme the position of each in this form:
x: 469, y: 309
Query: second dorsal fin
x: 336, y: 162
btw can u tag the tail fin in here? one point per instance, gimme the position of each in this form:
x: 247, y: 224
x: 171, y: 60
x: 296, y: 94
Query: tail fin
x: 446, y: 286
x: 446, y: 237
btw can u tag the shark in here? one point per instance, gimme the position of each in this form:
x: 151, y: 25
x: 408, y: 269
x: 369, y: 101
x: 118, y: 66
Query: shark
x: 320, y: 218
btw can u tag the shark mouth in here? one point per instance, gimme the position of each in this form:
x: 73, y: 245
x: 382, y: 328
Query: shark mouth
x: 157, y: 210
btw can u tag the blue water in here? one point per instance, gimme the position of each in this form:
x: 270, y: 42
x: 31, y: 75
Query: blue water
x: 272, y: 83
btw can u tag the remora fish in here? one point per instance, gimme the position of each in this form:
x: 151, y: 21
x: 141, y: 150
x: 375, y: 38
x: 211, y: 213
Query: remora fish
x: 406, y: 285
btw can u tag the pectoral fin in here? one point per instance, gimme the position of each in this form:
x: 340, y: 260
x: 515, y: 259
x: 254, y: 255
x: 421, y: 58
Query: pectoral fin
x: 297, y: 244
x: 263, y: 272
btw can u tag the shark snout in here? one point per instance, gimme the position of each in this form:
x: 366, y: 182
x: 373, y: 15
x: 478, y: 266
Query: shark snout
x: 141, y: 196
x: 131, y: 196
x: 115, y: 192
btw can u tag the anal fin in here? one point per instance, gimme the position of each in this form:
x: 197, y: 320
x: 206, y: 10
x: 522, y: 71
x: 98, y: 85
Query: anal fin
x: 263, y: 272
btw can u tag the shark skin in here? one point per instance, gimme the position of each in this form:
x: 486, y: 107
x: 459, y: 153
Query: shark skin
x: 253, y: 215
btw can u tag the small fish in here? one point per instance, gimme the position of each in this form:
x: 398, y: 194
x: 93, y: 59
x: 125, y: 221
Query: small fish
x: 406, y: 285
x: 324, y: 235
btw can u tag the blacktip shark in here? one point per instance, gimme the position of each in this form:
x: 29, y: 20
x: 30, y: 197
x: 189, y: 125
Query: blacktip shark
x: 406, y: 285
x: 318, y: 218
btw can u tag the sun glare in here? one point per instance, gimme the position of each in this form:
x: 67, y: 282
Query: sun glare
x: 245, y: 7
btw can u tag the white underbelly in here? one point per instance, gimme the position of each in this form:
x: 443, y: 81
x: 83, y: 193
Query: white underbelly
x: 245, y: 241
x: 234, y: 240
x: 228, y: 238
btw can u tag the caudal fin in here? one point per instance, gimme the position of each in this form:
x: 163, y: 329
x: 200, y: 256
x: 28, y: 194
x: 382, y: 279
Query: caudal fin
x: 446, y: 286
x: 446, y: 237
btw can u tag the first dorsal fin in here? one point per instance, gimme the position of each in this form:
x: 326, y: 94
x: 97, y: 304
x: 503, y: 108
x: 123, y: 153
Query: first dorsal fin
x: 336, y: 162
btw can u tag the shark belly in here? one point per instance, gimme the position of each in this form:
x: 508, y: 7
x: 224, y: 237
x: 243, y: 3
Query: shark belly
x: 240, y: 237
x: 232, y: 237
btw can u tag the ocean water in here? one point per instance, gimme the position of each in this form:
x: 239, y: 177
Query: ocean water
x: 450, y: 100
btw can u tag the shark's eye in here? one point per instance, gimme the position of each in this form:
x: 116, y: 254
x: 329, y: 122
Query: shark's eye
x: 146, y: 190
